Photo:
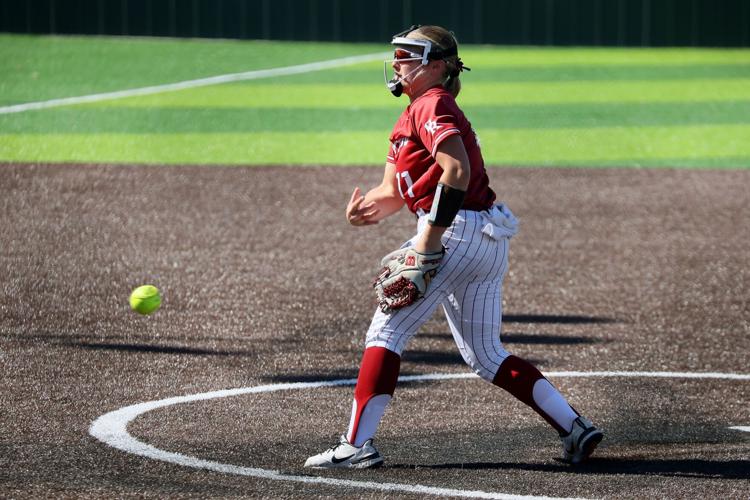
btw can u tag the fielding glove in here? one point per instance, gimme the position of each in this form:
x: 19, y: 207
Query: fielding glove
x: 405, y: 276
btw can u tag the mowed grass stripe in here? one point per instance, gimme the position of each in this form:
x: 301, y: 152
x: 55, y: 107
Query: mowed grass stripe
x: 709, y: 145
x: 375, y: 96
x: 712, y: 146
x: 221, y: 120
x: 35, y: 68
x: 503, y: 73
x: 602, y: 57
x: 196, y: 148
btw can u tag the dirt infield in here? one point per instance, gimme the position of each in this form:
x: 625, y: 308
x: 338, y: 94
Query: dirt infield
x: 265, y: 283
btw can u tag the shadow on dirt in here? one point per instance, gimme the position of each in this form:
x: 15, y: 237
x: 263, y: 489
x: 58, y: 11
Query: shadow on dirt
x: 159, y: 349
x: 432, y: 357
x: 697, y: 468
x: 526, y: 338
x: 298, y: 378
x: 522, y: 338
x: 442, y: 358
x: 557, y: 319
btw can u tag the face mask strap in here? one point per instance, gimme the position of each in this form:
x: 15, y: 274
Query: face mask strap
x: 395, y: 85
x: 407, y: 31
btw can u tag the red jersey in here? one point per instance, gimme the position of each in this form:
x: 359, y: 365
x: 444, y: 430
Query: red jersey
x: 424, y: 124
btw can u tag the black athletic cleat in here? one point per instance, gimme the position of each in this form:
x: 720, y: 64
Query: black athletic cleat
x: 581, y: 442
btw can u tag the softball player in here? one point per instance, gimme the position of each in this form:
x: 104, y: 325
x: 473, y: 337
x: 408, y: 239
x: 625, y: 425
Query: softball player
x: 435, y: 168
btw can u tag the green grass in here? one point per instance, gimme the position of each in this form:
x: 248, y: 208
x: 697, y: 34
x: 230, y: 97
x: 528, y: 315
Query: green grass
x: 34, y: 68
x: 530, y: 106
x: 705, y: 146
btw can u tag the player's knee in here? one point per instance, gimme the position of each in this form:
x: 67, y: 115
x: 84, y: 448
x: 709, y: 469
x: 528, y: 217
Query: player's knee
x: 483, y: 373
x: 485, y: 368
x: 485, y: 361
x: 381, y: 335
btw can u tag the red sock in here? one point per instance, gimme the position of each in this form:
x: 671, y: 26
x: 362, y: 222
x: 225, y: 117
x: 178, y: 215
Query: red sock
x: 378, y: 374
x: 518, y: 377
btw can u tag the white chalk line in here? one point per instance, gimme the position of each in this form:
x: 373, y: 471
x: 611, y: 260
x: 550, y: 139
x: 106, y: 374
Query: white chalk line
x: 111, y: 429
x: 190, y: 84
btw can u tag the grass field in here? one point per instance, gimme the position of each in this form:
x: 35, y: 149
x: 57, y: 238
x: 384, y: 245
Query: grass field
x: 530, y: 106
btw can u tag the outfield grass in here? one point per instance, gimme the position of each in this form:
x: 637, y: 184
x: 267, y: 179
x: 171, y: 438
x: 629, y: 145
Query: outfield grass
x: 588, y: 107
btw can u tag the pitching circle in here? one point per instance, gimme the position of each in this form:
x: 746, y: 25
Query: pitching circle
x: 111, y: 429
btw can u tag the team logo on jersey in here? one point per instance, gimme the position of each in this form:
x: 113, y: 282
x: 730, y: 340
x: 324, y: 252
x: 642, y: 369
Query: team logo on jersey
x: 431, y: 126
x: 397, y: 145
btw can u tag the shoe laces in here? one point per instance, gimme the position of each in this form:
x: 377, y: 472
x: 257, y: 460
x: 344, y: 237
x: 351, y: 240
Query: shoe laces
x: 335, y: 446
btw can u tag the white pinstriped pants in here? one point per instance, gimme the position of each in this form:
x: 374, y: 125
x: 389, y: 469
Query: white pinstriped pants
x: 468, y: 284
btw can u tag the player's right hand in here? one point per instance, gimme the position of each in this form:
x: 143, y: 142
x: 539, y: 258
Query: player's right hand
x: 359, y: 214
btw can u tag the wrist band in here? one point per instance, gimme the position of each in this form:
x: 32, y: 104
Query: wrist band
x: 445, y: 205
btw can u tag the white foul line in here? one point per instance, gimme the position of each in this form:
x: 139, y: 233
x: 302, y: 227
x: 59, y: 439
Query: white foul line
x: 189, y: 84
x: 111, y: 429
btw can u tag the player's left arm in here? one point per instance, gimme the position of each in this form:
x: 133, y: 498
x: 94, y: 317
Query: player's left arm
x: 407, y: 272
x: 452, y: 157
